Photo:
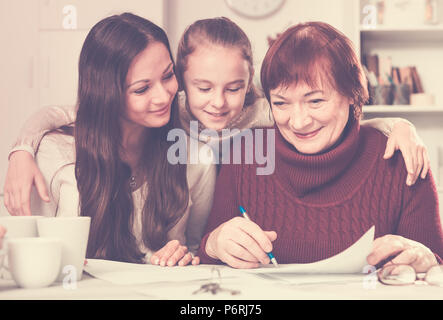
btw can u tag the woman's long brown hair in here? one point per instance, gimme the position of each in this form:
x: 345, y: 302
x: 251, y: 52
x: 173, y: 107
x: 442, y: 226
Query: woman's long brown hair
x: 102, y: 176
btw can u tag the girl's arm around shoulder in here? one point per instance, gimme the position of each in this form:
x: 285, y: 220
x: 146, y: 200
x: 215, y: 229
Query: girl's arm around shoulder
x: 56, y: 161
x: 22, y: 171
x: 41, y: 122
x: 403, y: 136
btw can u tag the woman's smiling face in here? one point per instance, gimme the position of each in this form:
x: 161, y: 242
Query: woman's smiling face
x: 151, y: 87
x: 312, y: 119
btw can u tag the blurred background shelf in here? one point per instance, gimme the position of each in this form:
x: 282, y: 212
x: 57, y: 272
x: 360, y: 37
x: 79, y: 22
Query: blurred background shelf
x: 398, y: 34
x: 402, y: 109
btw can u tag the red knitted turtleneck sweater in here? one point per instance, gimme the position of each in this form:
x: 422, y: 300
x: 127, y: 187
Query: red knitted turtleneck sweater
x: 320, y: 204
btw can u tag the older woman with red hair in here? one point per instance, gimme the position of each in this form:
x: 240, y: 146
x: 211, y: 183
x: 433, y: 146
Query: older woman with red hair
x: 331, y: 183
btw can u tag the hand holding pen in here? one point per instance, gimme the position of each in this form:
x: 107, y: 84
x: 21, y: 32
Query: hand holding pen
x: 270, y: 254
x: 240, y: 243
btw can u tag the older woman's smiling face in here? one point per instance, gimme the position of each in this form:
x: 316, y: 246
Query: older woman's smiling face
x: 312, y: 119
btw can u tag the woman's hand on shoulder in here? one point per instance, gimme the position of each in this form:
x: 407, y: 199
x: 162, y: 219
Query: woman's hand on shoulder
x: 21, y: 175
x: 405, y: 252
x: 172, y: 254
x: 404, y: 137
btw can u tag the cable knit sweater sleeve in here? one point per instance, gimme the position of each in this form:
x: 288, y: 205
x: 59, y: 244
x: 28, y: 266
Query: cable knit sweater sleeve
x: 420, y: 218
x: 225, y: 207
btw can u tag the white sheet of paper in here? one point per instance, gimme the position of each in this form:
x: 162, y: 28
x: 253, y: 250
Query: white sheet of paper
x: 313, y: 278
x: 351, y: 260
x: 133, y: 273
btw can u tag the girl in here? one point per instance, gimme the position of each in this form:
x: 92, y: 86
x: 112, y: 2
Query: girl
x: 112, y: 164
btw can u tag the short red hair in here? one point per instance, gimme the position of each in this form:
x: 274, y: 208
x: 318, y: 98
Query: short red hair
x: 310, y: 49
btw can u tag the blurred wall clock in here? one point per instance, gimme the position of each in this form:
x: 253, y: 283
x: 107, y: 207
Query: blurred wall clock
x: 255, y: 8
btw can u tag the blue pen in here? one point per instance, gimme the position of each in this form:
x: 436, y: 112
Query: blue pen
x: 270, y: 255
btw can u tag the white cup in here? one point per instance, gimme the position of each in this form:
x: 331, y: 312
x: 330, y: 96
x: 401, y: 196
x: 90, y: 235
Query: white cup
x: 16, y: 226
x: 34, y: 262
x: 20, y: 226
x: 73, y: 233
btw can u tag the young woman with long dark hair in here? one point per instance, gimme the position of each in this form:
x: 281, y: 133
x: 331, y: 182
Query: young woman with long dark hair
x: 111, y: 164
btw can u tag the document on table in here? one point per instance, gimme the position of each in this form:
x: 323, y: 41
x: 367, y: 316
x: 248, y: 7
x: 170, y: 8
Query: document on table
x: 134, y: 273
x: 350, y: 261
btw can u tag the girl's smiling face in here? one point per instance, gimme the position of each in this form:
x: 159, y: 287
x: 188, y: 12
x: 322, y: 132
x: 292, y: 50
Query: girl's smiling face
x: 216, y: 81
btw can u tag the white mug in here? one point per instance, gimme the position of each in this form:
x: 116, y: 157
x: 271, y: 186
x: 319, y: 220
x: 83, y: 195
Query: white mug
x: 34, y: 262
x: 73, y: 233
x: 20, y: 226
x: 16, y: 226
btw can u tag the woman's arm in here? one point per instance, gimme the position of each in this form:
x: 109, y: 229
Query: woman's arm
x: 22, y: 171
x: 403, y: 136
x: 418, y: 239
x: 420, y: 217
x: 229, y: 238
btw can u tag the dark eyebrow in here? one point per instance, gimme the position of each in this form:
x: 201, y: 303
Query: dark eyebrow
x: 147, y: 80
x: 200, y: 81
x: 278, y: 96
x: 240, y: 81
x: 313, y: 92
x: 305, y: 95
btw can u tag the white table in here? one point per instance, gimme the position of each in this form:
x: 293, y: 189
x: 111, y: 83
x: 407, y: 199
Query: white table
x: 92, y: 288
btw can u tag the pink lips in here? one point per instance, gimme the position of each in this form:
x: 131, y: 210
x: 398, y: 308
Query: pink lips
x: 307, y: 135
x: 162, y: 111
x: 217, y: 115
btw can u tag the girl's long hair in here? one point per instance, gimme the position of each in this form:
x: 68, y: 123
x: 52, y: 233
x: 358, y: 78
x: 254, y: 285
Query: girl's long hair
x: 102, y: 176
